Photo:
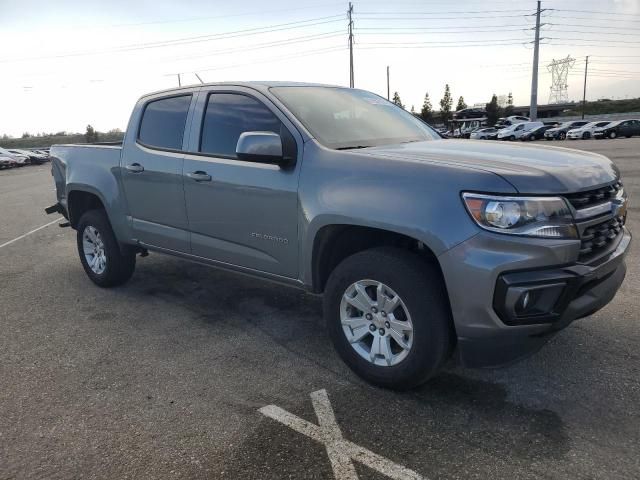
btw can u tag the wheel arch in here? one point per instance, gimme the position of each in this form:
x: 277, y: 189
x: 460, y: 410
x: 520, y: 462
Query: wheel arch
x: 81, y: 200
x: 335, y: 242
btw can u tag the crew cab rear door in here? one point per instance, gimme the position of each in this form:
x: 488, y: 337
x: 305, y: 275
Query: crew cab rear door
x: 241, y: 213
x: 152, y: 170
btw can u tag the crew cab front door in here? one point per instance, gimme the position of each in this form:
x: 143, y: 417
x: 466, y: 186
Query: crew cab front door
x: 152, y: 171
x: 241, y: 213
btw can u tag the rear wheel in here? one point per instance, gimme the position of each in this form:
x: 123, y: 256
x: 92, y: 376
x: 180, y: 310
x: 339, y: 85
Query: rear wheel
x: 100, y: 253
x: 387, y: 316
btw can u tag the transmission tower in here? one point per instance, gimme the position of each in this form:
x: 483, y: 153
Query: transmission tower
x: 559, y: 73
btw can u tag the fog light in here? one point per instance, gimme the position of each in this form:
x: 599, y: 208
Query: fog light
x: 523, y: 302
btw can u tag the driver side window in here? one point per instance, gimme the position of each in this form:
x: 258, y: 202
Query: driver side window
x: 227, y: 116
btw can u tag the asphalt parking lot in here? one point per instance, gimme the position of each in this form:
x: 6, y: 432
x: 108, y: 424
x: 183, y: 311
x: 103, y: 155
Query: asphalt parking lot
x: 165, y: 377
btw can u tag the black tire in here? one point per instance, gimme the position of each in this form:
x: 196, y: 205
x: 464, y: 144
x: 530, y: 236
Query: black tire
x: 420, y: 286
x: 119, y: 265
x: 586, y: 136
x: 562, y: 136
x: 512, y: 138
x: 613, y: 135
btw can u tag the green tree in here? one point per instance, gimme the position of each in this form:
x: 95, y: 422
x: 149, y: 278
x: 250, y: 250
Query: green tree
x: 427, y: 110
x: 91, y: 136
x: 508, y: 110
x: 396, y: 99
x: 413, y: 110
x: 445, y: 105
x: 461, y: 105
x: 493, y: 111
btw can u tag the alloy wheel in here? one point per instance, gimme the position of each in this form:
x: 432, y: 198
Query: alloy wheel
x: 376, y: 323
x: 94, y: 250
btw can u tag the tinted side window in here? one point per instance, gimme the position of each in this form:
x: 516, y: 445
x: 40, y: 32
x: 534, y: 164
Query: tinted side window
x: 163, y: 122
x: 227, y: 116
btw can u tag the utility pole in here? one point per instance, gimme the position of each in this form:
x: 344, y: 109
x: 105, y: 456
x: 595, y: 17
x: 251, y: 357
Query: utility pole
x: 533, y: 107
x: 584, y: 92
x: 350, y: 13
x: 388, y: 97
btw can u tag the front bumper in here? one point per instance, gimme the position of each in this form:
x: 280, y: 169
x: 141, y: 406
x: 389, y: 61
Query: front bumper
x: 479, y: 272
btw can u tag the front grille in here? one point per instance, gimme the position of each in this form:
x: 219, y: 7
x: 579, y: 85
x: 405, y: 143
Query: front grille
x: 596, y: 238
x: 593, y: 197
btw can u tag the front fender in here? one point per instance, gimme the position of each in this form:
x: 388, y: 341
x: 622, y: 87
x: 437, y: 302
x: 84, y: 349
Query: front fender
x: 416, y: 199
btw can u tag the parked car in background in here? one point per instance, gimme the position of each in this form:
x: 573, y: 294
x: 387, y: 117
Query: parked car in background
x: 515, y: 131
x: 511, y: 120
x: 20, y: 159
x: 621, y: 128
x: 483, y: 133
x: 585, y: 132
x: 34, y: 158
x: 536, y: 133
x: 560, y: 132
x: 494, y: 135
x: 7, y: 162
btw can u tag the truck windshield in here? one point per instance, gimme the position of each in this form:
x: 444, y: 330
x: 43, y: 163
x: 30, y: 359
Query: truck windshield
x: 346, y: 118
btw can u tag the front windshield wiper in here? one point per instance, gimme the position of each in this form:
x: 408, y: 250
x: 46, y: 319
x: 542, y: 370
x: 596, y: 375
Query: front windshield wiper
x: 354, y: 147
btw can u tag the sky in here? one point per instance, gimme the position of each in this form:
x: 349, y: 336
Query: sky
x: 69, y: 63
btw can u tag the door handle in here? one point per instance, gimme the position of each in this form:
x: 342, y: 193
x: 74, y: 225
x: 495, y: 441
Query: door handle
x: 199, y: 176
x: 135, y: 168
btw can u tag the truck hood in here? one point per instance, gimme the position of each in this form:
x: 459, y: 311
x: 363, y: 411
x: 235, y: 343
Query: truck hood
x: 530, y: 169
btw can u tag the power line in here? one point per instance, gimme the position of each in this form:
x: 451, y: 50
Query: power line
x: 259, y: 46
x: 195, y: 39
x: 441, y: 18
x: 440, y: 32
x: 596, y: 12
x: 457, y: 12
x: 307, y: 53
x: 592, y: 18
x: 579, y: 25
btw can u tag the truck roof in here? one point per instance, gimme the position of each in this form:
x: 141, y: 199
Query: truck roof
x: 258, y: 85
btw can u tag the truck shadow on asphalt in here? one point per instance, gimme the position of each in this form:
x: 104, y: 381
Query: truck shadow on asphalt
x: 456, y: 423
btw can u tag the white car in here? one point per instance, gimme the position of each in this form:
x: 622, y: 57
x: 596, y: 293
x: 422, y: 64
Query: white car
x: 515, y: 131
x: 20, y: 159
x: 586, y: 131
x: 482, y: 133
x: 6, y: 162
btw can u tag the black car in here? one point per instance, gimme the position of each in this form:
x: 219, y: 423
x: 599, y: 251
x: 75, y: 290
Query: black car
x: 536, y: 133
x: 623, y: 128
x: 560, y: 132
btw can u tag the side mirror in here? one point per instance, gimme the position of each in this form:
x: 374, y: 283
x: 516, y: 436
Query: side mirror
x: 262, y: 147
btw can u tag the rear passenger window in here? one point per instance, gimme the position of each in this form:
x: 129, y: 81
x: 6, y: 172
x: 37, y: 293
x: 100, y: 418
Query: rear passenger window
x: 227, y: 116
x: 163, y: 122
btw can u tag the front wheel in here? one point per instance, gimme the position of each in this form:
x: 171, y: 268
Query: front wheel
x: 388, y: 317
x: 586, y: 136
x: 100, y: 255
x: 612, y: 135
x: 562, y: 136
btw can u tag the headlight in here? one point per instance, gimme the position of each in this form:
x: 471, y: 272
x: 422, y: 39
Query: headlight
x: 546, y: 217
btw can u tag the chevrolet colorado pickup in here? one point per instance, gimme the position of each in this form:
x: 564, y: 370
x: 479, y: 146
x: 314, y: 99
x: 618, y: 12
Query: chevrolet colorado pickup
x: 422, y: 247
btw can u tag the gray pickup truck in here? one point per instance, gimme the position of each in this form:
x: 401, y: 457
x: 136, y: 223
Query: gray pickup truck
x: 422, y: 247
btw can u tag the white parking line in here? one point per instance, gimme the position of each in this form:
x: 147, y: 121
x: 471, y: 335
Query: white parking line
x: 29, y: 233
x: 341, y: 452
